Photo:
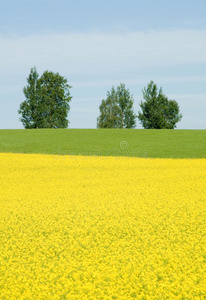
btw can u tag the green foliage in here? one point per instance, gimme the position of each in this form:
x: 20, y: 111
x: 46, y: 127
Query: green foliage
x: 47, y: 101
x: 157, y: 111
x: 117, y: 110
x: 29, y: 109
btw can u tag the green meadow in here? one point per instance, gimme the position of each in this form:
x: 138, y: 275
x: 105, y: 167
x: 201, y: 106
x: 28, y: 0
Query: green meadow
x: 106, y: 142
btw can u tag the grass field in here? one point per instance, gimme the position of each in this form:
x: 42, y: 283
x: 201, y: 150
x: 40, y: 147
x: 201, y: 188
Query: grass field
x: 107, y: 142
x: 75, y: 227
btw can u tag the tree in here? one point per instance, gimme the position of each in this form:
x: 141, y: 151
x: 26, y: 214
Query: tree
x: 29, y: 108
x: 157, y: 111
x: 47, y: 101
x: 117, y: 110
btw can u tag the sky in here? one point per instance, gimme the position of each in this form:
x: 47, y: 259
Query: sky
x: 98, y: 44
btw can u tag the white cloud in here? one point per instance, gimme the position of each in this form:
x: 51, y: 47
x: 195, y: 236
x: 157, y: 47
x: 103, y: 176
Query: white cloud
x: 190, y: 99
x: 128, y: 81
x: 103, y: 52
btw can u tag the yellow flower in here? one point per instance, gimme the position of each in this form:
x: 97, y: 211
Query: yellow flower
x: 102, y: 227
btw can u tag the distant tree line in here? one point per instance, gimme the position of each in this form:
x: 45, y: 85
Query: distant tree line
x: 48, y: 99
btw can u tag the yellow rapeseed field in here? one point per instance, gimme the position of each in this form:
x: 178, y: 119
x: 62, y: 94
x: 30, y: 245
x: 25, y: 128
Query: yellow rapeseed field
x: 75, y: 227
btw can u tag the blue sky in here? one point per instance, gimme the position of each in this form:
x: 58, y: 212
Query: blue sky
x: 99, y: 44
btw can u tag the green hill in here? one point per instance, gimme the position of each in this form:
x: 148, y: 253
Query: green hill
x: 115, y: 142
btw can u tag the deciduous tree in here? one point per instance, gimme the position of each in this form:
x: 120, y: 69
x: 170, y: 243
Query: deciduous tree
x: 117, y: 110
x: 47, y: 101
x: 157, y: 111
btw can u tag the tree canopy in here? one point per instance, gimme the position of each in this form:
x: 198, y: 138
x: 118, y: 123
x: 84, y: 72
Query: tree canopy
x: 47, y: 101
x: 157, y: 111
x: 117, y: 110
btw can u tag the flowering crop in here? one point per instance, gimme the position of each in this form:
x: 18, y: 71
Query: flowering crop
x: 75, y: 227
